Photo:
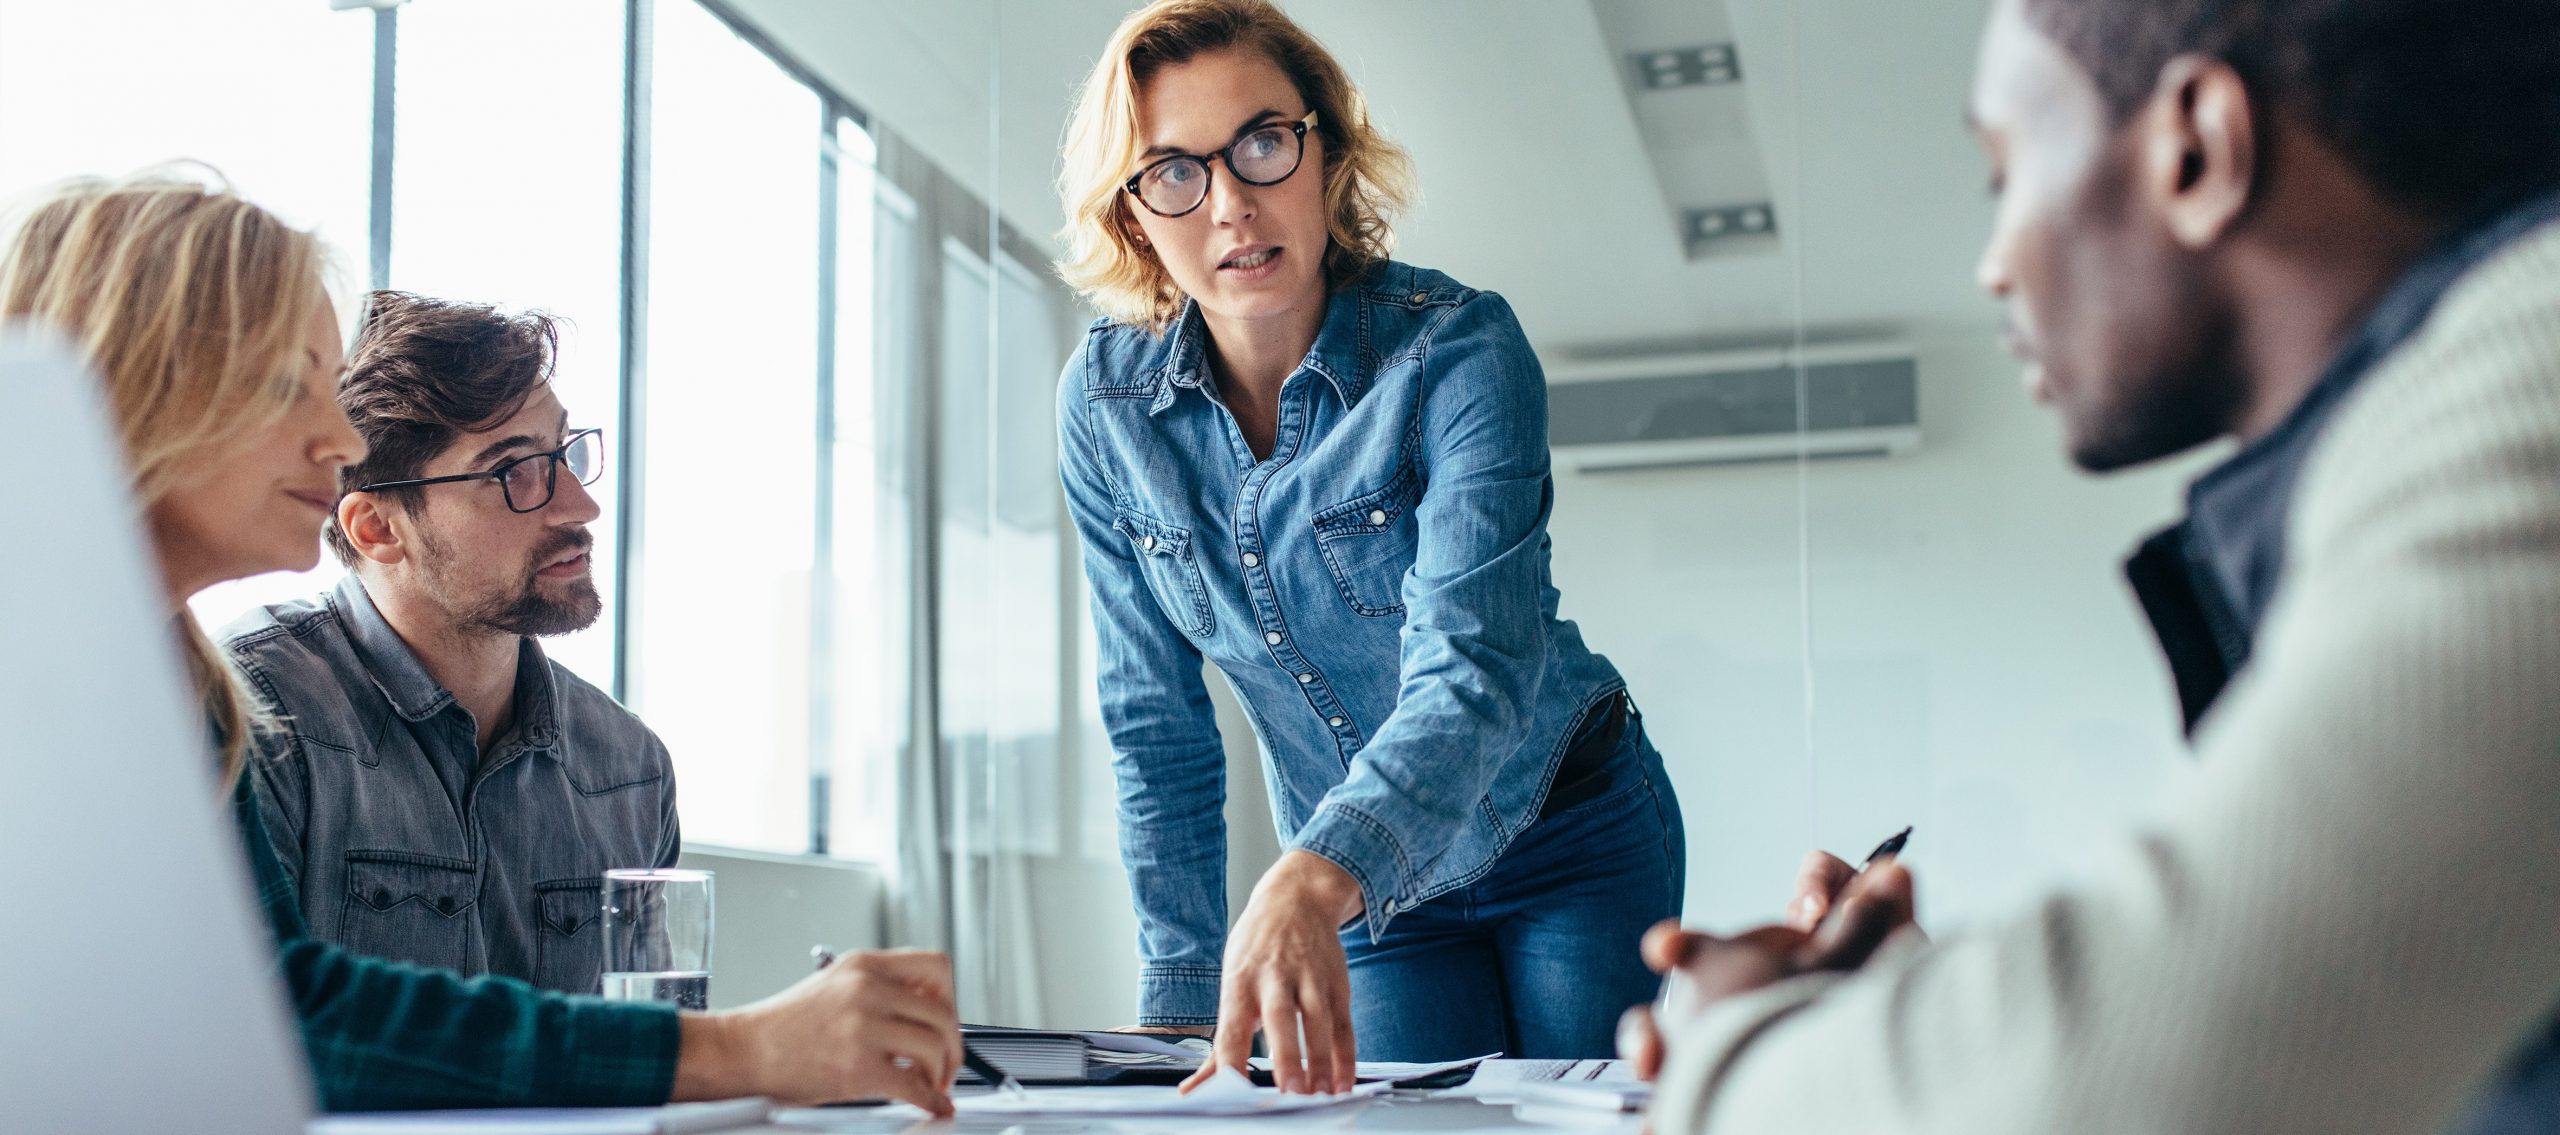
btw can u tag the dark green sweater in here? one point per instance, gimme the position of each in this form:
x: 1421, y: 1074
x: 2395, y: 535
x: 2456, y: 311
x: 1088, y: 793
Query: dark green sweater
x: 386, y: 1035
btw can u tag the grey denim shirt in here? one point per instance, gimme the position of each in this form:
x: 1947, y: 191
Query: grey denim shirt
x: 406, y: 844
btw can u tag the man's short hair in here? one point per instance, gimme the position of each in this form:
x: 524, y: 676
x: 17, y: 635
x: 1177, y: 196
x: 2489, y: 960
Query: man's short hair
x: 2446, y: 106
x: 425, y: 371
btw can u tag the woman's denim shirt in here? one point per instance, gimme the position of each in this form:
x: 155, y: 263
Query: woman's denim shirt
x: 1377, y: 591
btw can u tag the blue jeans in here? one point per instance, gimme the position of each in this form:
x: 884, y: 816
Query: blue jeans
x: 1538, y: 958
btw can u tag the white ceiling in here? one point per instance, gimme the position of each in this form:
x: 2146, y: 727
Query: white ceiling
x: 1535, y: 182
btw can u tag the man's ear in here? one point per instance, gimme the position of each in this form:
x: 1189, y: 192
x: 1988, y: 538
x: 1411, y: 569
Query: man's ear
x: 2199, y: 149
x: 364, y: 519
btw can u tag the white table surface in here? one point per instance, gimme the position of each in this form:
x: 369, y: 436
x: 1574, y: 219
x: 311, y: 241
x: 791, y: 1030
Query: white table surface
x: 1401, y: 1111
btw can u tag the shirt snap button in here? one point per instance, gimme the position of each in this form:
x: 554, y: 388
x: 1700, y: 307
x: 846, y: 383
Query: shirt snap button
x: 1418, y: 297
x: 1377, y: 516
x: 1336, y: 722
x: 381, y: 896
x: 1149, y: 543
x: 444, y: 905
x: 1303, y: 679
x: 1272, y: 637
x: 1251, y: 560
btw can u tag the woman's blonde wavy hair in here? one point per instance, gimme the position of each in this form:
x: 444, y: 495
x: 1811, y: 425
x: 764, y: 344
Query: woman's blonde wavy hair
x: 1367, y: 179
x: 191, y: 304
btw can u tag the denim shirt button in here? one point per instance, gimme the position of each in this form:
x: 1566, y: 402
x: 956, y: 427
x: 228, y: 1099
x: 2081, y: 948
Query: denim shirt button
x: 1272, y: 637
x: 444, y: 905
x: 382, y: 896
x: 1336, y: 722
x: 1251, y: 560
x: 1377, y: 516
x: 1303, y: 679
x: 1148, y: 543
x: 1419, y: 297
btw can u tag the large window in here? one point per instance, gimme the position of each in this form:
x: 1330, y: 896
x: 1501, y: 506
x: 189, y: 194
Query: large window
x: 508, y: 174
x: 723, y: 580
x: 273, y: 95
x: 811, y: 349
x: 864, y: 728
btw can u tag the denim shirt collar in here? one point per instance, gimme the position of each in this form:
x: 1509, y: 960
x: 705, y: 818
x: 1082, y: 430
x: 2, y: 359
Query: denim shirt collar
x: 416, y: 695
x: 1335, y: 355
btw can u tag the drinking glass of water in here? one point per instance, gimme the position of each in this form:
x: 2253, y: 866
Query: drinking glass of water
x: 657, y: 936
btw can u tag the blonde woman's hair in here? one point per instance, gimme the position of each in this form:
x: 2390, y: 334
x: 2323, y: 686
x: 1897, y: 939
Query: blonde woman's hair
x: 1367, y: 179
x: 191, y: 304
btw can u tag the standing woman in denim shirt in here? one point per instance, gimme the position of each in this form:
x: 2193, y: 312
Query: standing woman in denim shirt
x: 1326, y: 472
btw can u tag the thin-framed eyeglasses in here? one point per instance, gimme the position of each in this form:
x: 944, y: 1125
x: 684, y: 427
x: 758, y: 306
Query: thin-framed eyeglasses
x: 530, y: 481
x: 1266, y: 155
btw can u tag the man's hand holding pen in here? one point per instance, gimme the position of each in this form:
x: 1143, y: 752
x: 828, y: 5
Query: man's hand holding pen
x: 1841, y: 916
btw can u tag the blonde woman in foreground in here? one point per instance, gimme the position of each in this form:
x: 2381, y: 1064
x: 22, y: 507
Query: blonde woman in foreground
x: 207, y: 318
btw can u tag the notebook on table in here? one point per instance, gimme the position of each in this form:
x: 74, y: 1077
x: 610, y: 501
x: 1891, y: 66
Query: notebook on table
x: 1062, y: 1057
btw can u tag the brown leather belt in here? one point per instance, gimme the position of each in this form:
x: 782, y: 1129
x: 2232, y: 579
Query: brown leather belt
x: 1584, y: 772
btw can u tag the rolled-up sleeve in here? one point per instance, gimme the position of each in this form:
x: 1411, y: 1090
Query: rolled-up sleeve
x: 1166, y: 754
x: 1474, y: 645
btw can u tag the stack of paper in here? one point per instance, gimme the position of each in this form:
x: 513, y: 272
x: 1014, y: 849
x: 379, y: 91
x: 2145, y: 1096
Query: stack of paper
x: 1505, y: 1081
x: 1227, y: 1094
x: 1036, y: 1056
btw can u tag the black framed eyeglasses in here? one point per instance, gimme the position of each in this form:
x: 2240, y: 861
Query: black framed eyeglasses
x: 1266, y: 155
x: 528, y: 481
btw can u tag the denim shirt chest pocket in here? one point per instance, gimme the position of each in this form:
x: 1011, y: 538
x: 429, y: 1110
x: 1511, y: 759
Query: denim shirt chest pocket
x: 1369, y: 543
x: 1165, y: 557
x: 570, y: 947
x: 409, y: 907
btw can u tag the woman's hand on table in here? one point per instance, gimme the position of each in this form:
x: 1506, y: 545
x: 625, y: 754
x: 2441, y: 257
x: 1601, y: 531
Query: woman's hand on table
x: 1285, y: 975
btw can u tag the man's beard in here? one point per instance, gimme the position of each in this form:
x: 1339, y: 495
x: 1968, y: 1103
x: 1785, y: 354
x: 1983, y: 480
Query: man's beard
x: 527, y: 611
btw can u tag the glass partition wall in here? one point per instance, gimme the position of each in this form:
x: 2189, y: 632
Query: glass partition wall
x: 803, y: 255
x: 1801, y: 500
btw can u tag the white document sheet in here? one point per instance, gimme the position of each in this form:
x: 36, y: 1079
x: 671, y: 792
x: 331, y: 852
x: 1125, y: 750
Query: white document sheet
x: 1393, y: 1070
x: 1500, y: 1081
x: 1228, y: 1094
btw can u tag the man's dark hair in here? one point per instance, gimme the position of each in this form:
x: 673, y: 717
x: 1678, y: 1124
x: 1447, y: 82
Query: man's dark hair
x: 2446, y: 106
x: 426, y: 371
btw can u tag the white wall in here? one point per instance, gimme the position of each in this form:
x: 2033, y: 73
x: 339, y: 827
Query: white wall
x: 1979, y: 669
x: 767, y: 911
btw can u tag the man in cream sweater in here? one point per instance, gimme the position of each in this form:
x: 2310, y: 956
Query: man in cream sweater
x: 2331, y: 231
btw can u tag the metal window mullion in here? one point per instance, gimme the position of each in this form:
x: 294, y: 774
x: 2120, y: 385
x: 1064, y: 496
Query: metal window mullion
x: 638, y: 24
x: 386, y: 65
x: 822, y: 573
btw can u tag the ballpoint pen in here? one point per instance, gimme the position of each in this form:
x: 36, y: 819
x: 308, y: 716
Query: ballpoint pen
x: 995, y: 1076
x: 1890, y: 847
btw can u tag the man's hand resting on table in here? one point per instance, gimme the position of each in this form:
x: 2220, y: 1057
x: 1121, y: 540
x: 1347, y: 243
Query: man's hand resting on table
x: 875, y: 1024
x: 1839, y: 919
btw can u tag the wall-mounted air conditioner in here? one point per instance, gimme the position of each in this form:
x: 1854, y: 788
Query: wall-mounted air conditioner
x: 1735, y: 408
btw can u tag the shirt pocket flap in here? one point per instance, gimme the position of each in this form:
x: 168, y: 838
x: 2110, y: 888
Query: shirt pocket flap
x: 1153, y: 537
x: 1164, y: 558
x: 570, y: 905
x: 1370, y: 512
x: 383, y: 880
x: 1369, y: 543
